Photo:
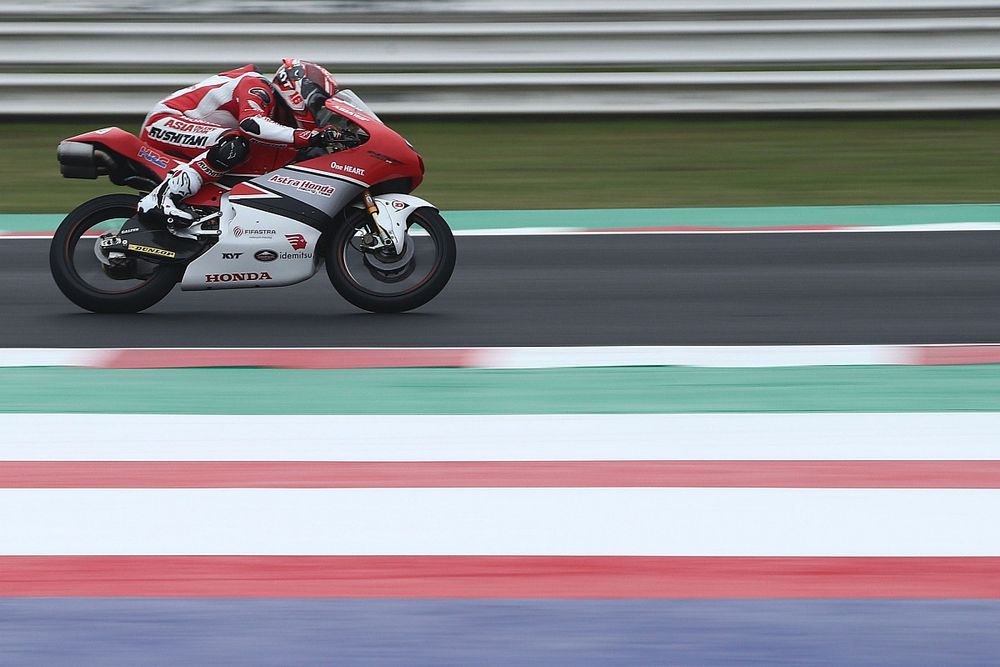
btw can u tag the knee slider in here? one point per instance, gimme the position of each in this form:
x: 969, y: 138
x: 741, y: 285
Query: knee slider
x: 230, y: 151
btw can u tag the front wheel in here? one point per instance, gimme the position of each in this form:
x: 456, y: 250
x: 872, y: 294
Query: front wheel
x: 90, y: 284
x: 383, y: 281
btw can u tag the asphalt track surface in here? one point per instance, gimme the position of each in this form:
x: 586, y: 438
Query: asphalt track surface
x: 634, y: 289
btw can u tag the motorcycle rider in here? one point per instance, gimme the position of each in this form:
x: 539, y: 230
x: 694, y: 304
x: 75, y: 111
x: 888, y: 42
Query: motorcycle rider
x: 218, y: 122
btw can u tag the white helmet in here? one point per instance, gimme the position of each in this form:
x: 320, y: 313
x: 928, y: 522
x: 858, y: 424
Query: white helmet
x: 304, y: 86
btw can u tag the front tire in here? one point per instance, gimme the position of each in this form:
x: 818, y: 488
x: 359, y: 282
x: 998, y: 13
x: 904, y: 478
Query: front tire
x: 392, y: 283
x: 67, y: 258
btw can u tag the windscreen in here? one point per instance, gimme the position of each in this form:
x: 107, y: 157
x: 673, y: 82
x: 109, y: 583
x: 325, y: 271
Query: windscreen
x: 326, y: 117
x: 349, y: 96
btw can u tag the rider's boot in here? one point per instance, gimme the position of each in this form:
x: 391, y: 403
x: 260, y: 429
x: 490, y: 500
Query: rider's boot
x: 167, y: 199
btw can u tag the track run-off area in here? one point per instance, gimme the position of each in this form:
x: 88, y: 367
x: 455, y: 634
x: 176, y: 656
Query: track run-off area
x: 712, y: 436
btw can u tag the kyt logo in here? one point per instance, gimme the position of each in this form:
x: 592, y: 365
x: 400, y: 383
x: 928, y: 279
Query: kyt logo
x: 297, y: 241
x: 231, y: 255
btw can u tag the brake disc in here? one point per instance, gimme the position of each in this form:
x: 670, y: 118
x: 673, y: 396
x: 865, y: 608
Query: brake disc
x: 389, y: 267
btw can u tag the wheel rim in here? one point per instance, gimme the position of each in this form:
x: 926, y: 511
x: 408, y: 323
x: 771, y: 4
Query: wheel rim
x: 388, y: 274
x: 84, y: 266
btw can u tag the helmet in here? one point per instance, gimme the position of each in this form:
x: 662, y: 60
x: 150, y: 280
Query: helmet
x: 304, y: 86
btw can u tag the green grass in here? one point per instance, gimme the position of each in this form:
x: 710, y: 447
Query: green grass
x: 615, y: 163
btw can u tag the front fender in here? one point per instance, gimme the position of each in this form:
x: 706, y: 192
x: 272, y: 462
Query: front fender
x: 393, y: 212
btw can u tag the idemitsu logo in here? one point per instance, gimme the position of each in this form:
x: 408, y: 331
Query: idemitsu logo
x: 297, y: 241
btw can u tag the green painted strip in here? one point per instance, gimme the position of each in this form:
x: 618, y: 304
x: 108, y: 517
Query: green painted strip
x: 721, y: 218
x: 29, y: 222
x: 477, y: 391
x: 729, y: 218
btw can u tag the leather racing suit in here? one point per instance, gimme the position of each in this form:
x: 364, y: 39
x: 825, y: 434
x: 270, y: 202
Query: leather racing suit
x: 216, y: 123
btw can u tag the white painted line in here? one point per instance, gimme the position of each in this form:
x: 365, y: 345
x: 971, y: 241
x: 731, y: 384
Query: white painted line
x: 490, y: 522
x: 931, y: 227
x: 680, y: 230
x: 12, y: 357
x: 520, y: 231
x: 723, y: 356
x: 845, y: 229
x: 758, y: 436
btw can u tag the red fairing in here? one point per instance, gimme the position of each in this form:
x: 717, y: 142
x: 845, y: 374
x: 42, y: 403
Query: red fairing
x: 385, y: 156
x: 209, y: 195
x: 117, y: 140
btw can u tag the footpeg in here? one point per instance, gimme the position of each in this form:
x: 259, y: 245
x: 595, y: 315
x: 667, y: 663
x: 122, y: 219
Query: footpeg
x: 208, y: 226
x: 110, y: 242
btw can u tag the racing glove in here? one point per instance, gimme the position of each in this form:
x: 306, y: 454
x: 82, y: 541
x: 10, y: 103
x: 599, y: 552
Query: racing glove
x: 328, y: 136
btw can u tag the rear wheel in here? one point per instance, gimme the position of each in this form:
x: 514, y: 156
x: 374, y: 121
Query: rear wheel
x: 91, y: 284
x: 383, y: 281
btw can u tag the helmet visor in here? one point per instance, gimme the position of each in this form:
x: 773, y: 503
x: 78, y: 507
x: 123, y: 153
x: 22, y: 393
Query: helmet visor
x: 319, y: 76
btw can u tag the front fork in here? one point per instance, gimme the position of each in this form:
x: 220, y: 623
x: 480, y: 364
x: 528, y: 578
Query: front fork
x: 377, y: 237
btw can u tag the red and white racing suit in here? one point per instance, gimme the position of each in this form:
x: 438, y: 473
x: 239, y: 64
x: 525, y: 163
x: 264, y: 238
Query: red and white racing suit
x: 222, y: 122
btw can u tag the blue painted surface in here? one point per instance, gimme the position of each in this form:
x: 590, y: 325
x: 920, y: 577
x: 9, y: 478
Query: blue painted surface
x: 119, y: 632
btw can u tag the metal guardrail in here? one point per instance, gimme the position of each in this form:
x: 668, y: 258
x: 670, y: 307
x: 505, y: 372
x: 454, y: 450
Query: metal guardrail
x: 655, y: 44
x: 565, y: 93
x: 475, y: 10
x: 544, y: 66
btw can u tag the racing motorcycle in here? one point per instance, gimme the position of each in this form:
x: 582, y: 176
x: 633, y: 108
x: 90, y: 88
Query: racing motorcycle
x: 347, y: 206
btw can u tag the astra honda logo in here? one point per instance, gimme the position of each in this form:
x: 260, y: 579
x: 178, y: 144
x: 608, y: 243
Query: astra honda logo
x: 304, y: 185
x: 253, y: 233
x: 236, y: 277
x: 297, y: 241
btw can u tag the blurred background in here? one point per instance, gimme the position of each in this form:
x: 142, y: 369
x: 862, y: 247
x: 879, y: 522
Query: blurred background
x: 556, y: 103
x: 517, y: 105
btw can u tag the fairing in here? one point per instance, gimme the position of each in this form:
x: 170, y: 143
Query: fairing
x: 271, y: 224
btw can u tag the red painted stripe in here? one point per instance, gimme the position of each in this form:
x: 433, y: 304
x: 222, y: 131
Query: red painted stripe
x: 317, y: 358
x: 480, y: 474
x: 498, y: 577
x: 722, y: 230
x: 955, y: 355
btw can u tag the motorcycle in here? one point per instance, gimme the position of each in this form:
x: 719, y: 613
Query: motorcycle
x: 347, y: 206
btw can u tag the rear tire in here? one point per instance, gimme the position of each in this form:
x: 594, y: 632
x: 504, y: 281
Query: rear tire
x: 70, y: 283
x: 408, y: 298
